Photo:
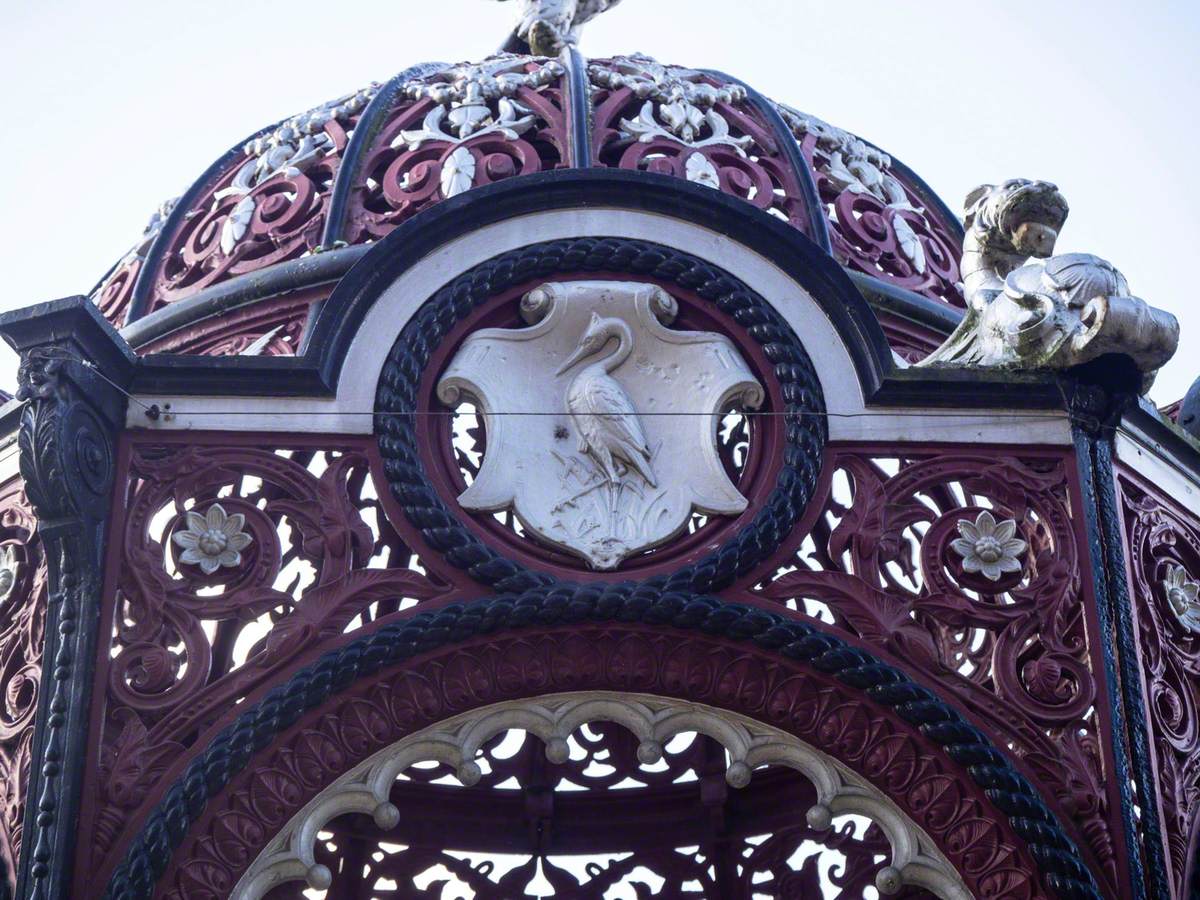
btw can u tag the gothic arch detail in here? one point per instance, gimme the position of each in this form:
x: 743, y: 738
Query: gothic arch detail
x: 654, y: 721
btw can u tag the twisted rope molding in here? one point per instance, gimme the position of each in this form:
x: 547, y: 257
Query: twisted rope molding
x: 366, y: 789
x: 805, y: 434
x: 231, y: 750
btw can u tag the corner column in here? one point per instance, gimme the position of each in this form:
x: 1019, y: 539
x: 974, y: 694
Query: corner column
x: 74, y: 367
x: 1095, y: 412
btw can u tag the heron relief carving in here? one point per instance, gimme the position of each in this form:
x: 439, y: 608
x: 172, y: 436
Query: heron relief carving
x: 601, y: 420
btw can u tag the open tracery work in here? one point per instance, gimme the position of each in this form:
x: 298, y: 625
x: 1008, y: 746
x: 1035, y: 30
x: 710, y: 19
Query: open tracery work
x: 238, y: 561
x: 967, y: 566
x: 617, y: 796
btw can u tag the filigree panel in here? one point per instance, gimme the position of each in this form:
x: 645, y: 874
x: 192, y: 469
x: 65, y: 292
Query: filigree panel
x: 267, y: 207
x: 236, y: 560
x: 877, y: 222
x: 967, y: 565
x: 1163, y: 543
x: 669, y: 120
x: 909, y: 340
x: 22, y: 619
x: 463, y: 127
x: 272, y: 327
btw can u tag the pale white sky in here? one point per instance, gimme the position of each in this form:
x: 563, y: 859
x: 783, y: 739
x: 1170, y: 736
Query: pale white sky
x: 111, y: 107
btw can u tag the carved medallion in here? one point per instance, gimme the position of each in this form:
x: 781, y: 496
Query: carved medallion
x: 601, y: 420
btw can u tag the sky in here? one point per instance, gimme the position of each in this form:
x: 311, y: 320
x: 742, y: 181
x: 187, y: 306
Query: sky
x: 111, y: 107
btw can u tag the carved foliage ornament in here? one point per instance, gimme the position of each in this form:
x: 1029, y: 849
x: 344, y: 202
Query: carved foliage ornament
x: 876, y: 226
x: 1029, y: 309
x: 291, y: 149
x: 989, y: 547
x: 456, y: 128
x: 1182, y: 593
x: 601, y: 420
x: 213, y: 540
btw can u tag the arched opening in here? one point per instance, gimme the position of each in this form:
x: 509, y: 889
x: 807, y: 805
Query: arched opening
x: 600, y: 795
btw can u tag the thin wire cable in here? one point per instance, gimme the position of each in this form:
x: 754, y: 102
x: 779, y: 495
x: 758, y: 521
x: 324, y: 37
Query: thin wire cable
x: 154, y: 411
x: 430, y: 413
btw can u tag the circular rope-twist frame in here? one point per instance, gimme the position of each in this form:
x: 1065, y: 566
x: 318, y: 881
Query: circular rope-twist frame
x: 231, y: 751
x: 805, y: 429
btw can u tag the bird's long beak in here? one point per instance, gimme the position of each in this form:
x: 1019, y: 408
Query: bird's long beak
x: 580, y: 352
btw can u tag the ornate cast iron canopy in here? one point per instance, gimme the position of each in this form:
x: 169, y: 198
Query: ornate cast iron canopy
x: 511, y: 479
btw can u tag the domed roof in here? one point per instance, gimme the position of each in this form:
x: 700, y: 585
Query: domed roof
x: 318, y: 186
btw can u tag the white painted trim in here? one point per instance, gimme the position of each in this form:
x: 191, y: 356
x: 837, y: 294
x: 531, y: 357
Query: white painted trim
x: 349, y: 412
x: 653, y: 720
x: 1150, y: 460
x: 10, y: 459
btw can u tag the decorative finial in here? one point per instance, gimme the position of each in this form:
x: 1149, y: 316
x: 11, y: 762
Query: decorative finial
x: 546, y: 26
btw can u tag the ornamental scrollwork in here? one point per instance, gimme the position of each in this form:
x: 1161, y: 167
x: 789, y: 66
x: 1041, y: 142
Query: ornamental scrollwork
x: 877, y: 224
x: 235, y: 561
x: 66, y: 457
x: 457, y: 128
x: 267, y: 207
x: 23, y: 599
x: 967, y: 566
x: 374, y: 715
x: 682, y: 122
x: 1163, y: 543
x: 115, y: 291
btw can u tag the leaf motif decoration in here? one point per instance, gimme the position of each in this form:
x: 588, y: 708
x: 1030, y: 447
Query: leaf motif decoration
x: 458, y: 172
x: 701, y: 171
x: 910, y: 244
x: 236, y: 224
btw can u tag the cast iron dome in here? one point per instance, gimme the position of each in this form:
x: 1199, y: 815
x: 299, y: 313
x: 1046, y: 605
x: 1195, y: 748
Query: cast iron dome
x: 239, y: 263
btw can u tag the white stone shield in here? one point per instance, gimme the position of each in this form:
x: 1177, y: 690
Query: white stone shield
x: 601, y: 421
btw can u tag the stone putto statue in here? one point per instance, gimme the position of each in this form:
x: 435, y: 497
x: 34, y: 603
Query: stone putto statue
x: 1029, y: 309
x: 546, y: 26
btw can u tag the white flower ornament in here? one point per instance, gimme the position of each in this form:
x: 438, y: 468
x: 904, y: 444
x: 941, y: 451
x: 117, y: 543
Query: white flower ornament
x: 989, y: 547
x: 1183, y: 596
x: 213, y: 540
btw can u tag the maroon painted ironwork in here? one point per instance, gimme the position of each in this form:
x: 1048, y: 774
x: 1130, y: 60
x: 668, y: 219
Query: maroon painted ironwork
x: 678, y: 831
x: 866, y: 233
x: 323, y: 560
x: 438, y: 685
x: 397, y: 182
x: 1021, y: 655
x: 909, y: 340
x: 330, y: 556
x: 1172, y: 410
x: 115, y: 292
x: 758, y: 171
x: 266, y: 206
x: 273, y: 327
x: 1162, y: 537
x: 22, y: 620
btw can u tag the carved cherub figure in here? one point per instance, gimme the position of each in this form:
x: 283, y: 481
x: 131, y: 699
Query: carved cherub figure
x: 546, y: 26
x: 1027, y: 308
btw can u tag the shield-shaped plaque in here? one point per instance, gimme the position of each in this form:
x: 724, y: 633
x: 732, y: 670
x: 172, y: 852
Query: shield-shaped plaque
x: 601, y: 420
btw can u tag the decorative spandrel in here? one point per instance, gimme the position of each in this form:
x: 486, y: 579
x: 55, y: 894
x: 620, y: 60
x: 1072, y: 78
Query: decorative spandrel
x: 601, y: 420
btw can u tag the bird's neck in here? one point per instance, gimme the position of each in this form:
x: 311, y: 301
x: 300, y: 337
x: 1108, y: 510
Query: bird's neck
x: 624, y: 346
